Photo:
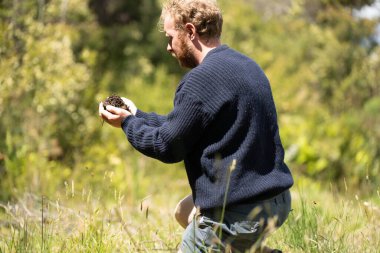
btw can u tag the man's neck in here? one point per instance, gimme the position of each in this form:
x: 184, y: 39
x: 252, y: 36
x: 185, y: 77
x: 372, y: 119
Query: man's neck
x: 206, y: 47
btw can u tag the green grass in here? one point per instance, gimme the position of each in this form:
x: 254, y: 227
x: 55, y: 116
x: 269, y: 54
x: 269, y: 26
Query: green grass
x: 321, y: 221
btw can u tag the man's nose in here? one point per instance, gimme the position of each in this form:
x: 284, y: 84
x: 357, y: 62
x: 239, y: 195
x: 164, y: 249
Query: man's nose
x: 169, y: 48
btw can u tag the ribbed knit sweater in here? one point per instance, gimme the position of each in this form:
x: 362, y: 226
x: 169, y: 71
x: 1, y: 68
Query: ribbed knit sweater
x: 223, y: 111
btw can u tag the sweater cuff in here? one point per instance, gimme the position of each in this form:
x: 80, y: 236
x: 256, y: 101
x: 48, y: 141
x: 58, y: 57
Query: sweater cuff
x: 124, y: 123
x: 140, y: 114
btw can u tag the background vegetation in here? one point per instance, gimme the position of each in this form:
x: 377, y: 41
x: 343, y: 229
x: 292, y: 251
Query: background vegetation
x: 59, y: 58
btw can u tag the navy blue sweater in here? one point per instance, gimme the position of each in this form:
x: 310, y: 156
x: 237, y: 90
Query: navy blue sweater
x: 223, y: 111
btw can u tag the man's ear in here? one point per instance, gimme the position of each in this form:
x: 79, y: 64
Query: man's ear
x: 191, y: 30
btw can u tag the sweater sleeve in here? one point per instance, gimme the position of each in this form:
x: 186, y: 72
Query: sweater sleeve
x: 152, y: 119
x: 174, y: 138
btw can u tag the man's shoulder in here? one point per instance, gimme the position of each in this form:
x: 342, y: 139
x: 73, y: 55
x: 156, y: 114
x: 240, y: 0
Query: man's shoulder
x: 226, y: 51
x: 225, y: 64
x: 225, y: 58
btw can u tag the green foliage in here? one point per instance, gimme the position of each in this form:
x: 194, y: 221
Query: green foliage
x: 42, y: 89
x: 60, y: 58
x: 349, y: 3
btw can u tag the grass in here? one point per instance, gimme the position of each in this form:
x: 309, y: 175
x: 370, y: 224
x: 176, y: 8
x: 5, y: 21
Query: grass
x: 91, y: 227
x: 321, y: 221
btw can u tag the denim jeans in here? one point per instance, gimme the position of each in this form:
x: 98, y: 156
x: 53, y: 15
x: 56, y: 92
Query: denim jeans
x: 240, y: 228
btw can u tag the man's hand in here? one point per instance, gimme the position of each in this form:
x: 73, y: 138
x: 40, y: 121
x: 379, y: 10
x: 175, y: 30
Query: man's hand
x: 132, y: 107
x: 113, y: 115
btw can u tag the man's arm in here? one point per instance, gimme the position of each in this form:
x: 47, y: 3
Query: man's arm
x: 153, y: 119
x: 115, y: 116
x: 174, y: 138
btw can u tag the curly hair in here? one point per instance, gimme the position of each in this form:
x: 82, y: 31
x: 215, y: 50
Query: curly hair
x: 205, y: 15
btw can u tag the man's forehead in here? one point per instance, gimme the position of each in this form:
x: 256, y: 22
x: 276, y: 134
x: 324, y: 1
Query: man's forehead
x: 168, y: 24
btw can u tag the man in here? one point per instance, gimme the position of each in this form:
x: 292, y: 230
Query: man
x: 224, y: 126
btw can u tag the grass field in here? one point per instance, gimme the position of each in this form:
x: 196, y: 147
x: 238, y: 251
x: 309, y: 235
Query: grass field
x: 77, y: 220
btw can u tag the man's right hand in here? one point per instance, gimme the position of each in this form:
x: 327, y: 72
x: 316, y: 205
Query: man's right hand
x: 131, y: 106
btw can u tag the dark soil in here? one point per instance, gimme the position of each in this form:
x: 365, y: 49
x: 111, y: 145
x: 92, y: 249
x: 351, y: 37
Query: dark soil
x: 116, y: 101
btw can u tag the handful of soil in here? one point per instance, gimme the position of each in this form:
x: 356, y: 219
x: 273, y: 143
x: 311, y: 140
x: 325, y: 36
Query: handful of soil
x: 116, y: 101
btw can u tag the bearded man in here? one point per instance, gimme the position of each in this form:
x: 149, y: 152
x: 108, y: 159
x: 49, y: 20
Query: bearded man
x: 224, y: 127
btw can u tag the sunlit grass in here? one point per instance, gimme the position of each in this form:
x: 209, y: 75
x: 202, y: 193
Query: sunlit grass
x: 87, y: 227
x: 322, y: 221
x: 80, y: 221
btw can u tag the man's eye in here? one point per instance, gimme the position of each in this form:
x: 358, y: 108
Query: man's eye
x: 170, y: 39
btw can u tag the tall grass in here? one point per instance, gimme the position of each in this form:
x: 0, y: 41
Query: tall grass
x: 321, y: 221
x: 85, y: 228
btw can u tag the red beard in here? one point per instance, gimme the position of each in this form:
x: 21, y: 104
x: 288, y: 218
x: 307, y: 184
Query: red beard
x: 185, y: 56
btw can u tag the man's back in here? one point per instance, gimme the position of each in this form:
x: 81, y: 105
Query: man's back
x: 240, y: 123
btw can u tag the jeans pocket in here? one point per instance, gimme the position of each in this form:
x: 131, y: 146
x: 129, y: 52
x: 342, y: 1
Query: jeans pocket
x: 244, y: 235
x: 244, y: 228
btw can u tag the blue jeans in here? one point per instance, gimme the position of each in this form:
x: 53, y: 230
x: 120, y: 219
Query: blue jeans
x: 243, y: 227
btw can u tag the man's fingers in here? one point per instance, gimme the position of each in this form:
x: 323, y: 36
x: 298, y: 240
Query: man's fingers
x: 126, y: 100
x: 113, y: 115
x: 130, y: 104
x: 113, y: 109
x: 104, y: 113
x: 101, y: 108
x: 107, y: 114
